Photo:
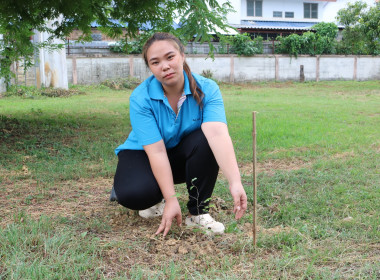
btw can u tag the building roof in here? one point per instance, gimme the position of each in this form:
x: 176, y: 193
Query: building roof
x: 274, y: 25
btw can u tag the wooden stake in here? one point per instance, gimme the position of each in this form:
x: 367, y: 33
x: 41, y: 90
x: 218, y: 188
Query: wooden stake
x: 254, y: 182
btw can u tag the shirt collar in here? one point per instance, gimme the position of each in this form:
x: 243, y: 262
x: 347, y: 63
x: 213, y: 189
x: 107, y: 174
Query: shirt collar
x: 157, y: 92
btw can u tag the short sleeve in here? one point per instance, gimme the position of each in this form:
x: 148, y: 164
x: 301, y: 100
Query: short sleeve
x: 213, y: 106
x: 144, y: 124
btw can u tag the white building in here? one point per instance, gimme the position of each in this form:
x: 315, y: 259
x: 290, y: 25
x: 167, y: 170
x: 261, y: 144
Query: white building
x: 270, y: 18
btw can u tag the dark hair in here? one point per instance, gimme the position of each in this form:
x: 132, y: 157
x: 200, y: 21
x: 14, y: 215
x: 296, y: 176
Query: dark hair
x: 159, y: 36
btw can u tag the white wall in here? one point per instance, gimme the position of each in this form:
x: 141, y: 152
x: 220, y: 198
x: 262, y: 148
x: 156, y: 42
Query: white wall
x: 260, y: 69
x: 220, y: 67
x: 341, y: 68
x: 289, y: 68
x: 369, y: 68
x: 295, y: 6
x: 331, y: 9
x: 97, y: 69
x: 233, y: 18
x: 232, y: 68
x: 327, y: 10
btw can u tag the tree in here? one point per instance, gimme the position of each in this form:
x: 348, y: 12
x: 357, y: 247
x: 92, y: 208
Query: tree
x: 325, y: 37
x: 19, y: 19
x: 326, y: 29
x: 370, y: 26
x: 362, y: 28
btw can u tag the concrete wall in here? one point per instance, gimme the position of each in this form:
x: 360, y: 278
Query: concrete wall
x: 220, y: 67
x: 231, y: 68
x: 341, y: 68
x: 94, y: 69
x: 289, y: 68
x: 369, y: 68
x: 260, y: 69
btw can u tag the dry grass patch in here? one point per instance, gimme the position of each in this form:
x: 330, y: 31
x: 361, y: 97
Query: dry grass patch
x: 271, y: 166
x: 344, y: 155
x: 67, y: 198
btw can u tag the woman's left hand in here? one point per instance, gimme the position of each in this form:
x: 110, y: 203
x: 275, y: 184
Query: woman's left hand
x: 240, y: 200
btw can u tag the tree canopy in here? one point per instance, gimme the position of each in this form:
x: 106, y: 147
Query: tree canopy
x: 19, y: 19
x: 362, y: 28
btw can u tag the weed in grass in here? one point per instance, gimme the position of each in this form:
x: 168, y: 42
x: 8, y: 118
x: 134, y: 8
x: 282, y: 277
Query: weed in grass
x: 232, y: 228
x: 122, y: 83
x: 33, y: 92
x: 288, y: 238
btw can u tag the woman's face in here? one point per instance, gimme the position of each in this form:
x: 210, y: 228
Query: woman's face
x: 166, y: 63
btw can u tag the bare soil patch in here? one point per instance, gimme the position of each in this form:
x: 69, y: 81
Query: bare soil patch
x: 270, y: 166
x: 343, y: 155
x: 67, y: 199
x: 127, y: 238
x: 376, y: 147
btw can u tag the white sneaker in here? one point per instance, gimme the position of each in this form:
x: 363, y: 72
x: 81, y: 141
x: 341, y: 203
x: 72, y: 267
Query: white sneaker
x: 153, y: 211
x: 205, y: 221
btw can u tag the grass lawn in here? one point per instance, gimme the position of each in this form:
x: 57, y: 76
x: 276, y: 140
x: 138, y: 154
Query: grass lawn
x: 318, y: 150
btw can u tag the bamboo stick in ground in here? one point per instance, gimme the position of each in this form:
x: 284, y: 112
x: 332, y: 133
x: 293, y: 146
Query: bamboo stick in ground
x: 254, y: 183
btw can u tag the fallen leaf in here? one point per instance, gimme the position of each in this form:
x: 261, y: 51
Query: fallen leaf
x: 25, y: 169
x: 182, y: 250
x: 171, y: 242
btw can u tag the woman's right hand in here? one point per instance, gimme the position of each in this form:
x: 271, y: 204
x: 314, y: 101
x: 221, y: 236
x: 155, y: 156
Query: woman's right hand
x: 172, y: 211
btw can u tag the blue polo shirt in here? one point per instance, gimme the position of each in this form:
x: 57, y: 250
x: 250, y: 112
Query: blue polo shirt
x: 153, y: 119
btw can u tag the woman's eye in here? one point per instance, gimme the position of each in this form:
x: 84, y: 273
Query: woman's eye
x: 154, y: 63
x: 170, y: 57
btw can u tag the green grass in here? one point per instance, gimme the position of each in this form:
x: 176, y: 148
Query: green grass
x: 37, y: 250
x: 319, y: 199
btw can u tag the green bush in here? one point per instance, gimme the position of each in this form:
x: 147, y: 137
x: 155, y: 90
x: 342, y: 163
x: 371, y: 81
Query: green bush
x: 289, y: 45
x: 21, y: 91
x: 32, y: 92
x: 320, y: 42
x: 122, y: 83
x: 326, y: 29
x: 242, y: 44
x: 58, y: 92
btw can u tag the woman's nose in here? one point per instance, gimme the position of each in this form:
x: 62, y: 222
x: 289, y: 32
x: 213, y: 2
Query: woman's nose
x: 165, y: 66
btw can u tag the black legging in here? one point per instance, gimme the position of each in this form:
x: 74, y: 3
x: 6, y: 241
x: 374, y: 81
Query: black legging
x: 136, y: 187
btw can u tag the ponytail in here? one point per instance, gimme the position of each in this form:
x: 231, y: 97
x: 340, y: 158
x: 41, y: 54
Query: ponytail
x: 195, y: 90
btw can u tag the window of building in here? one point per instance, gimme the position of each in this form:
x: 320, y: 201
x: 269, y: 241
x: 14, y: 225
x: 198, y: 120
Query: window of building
x: 255, y: 8
x: 289, y: 14
x: 277, y: 14
x: 310, y: 10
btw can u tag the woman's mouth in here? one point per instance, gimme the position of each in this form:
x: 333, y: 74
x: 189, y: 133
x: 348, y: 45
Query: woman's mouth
x: 168, y: 75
